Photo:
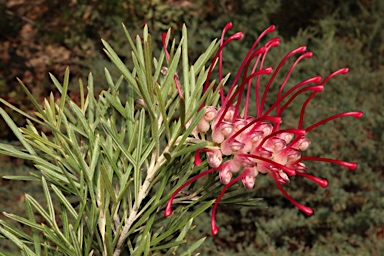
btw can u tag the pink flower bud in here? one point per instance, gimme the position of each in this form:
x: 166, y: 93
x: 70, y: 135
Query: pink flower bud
x: 203, y: 126
x: 275, y: 144
x: 299, y: 167
x: 214, y: 158
x: 210, y: 113
x: 250, y: 178
x: 282, y: 177
x: 225, y: 176
x: 229, y: 147
x: 287, y: 136
x: 266, y: 128
x: 222, y: 132
x: 302, y: 144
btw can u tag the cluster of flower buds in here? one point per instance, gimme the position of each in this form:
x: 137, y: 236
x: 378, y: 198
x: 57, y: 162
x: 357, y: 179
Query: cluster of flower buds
x: 244, y: 143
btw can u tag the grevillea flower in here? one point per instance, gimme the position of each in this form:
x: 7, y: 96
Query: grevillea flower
x: 249, y: 136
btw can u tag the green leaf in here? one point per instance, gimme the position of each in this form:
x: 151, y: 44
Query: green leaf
x: 63, y: 95
x: 64, y: 201
x: 164, y: 115
x: 121, y: 66
x: 185, y: 63
x: 109, y: 131
x: 43, y: 142
x: 108, y: 184
x: 29, y: 117
x: 130, y: 40
x: 56, y: 176
x: 193, y: 247
x: 115, y: 101
x: 167, y: 233
x: 148, y: 64
x: 48, y: 198
x: 143, y: 245
x: 149, y: 149
x: 145, y: 90
x: 168, y: 80
x: 90, y: 98
x: 62, y: 247
x: 167, y: 245
x: 93, y: 167
x: 140, y: 135
x: 24, y: 221
x: 83, y: 106
x: 24, y: 178
x: 140, y: 52
x: 19, y: 243
x: 64, y: 220
x: 203, y: 59
x: 190, y: 149
x: 83, y: 121
x: 185, y: 230
x: 40, y: 209
x: 33, y: 100
x: 186, y: 134
x: 244, y: 200
x: 16, y: 131
x: 75, y: 242
x: 110, y: 81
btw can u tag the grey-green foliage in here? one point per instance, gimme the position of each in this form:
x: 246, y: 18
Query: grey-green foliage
x: 112, y: 165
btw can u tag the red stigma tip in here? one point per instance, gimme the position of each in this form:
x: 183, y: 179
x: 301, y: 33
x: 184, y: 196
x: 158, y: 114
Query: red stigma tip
x: 323, y: 183
x: 306, y: 210
x: 270, y: 29
x: 237, y: 36
x: 198, y: 160
x: 268, y: 70
x: 300, y: 49
x: 228, y: 26
x: 319, y: 88
x: 359, y: 114
x: 273, y: 43
x: 351, y: 166
x: 168, y: 209
x: 214, y: 229
x: 308, y: 55
x: 356, y: 114
x: 315, y: 79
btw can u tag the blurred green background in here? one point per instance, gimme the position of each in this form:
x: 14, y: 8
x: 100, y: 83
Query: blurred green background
x: 37, y: 37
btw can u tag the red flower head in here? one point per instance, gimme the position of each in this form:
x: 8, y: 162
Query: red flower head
x: 250, y: 138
